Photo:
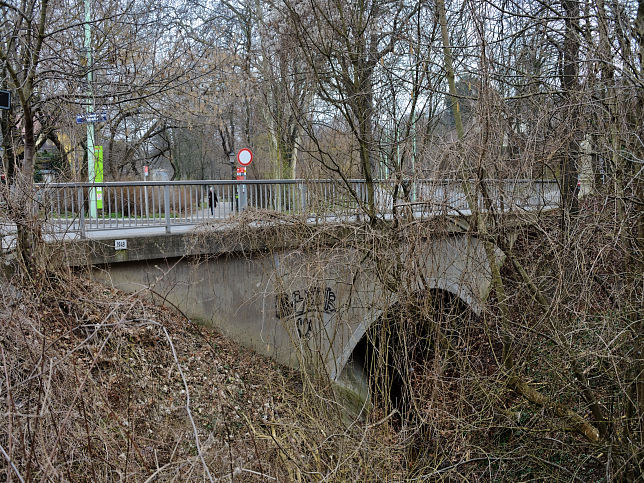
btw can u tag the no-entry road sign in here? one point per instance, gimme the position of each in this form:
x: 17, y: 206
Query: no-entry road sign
x: 245, y: 156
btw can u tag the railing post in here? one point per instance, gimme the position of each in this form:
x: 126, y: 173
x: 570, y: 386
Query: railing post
x: 81, y: 212
x: 166, y: 206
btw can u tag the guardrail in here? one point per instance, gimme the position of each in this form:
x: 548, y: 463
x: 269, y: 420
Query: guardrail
x: 175, y: 203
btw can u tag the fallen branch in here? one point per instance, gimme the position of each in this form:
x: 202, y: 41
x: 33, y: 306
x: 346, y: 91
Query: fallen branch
x: 578, y: 423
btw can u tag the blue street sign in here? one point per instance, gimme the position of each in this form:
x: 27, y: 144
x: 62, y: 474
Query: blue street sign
x: 91, y: 117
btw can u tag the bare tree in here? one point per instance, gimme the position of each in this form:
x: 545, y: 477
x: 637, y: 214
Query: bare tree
x: 343, y: 45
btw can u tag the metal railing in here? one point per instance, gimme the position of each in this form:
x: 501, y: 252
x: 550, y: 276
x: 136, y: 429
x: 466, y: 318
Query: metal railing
x: 125, y: 205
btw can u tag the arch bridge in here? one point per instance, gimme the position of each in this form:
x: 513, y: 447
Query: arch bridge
x: 266, y: 291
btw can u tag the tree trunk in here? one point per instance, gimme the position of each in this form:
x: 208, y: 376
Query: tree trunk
x: 568, y: 161
x: 366, y: 144
x: 8, y: 161
x: 638, y: 245
x: 449, y: 69
x: 23, y: 203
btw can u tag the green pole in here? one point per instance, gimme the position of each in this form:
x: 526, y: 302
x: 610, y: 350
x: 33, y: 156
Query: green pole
x: 98, y: 175
x: 91, y: 173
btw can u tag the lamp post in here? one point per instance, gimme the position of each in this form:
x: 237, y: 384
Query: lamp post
x: 233, y: 173
x: 231, y: 159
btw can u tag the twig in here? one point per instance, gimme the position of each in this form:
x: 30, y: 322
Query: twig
x: 4, y: 453
x: 165, y: 300
x: 456, y: 465
x: 185, y: 386
x: 158, y: 470
x: 258, y: 474
x: 559, y: 467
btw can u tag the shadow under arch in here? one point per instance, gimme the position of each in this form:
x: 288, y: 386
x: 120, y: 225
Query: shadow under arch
x: 357, y: 373
x: 436, y: 287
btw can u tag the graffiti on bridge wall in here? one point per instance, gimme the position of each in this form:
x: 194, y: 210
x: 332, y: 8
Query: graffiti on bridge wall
x: 301, y: 305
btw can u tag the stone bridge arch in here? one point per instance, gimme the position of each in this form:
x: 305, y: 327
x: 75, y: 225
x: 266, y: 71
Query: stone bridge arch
x: 455, y: 264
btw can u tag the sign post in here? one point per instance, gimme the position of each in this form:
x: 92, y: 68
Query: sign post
x: 244, y: 158
x: 90, y: 110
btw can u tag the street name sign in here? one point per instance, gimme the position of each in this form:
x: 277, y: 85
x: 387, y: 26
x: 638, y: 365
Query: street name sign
x: 91, y: 117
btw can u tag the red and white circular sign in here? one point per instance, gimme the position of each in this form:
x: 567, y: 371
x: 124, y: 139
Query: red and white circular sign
x: 245, y: 156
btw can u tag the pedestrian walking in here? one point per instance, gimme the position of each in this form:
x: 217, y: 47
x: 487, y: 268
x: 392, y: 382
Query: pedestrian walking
x: 212, y: 200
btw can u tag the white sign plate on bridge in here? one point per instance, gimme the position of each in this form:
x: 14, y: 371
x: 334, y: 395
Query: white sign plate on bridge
x: 120, y: 244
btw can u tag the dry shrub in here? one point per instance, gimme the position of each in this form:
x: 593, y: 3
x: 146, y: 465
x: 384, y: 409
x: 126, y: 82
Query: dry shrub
x: 99, y: 385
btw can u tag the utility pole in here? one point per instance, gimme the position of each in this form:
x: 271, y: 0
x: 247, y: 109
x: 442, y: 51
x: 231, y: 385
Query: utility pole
x: 90, y: 110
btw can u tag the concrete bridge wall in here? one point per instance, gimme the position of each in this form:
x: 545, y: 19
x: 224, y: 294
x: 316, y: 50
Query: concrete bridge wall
x: 291, y: 304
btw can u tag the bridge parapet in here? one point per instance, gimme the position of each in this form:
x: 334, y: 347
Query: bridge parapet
x: 176, y: 204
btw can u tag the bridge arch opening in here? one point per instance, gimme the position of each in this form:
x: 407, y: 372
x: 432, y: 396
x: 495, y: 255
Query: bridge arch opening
x: 404, y: 349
